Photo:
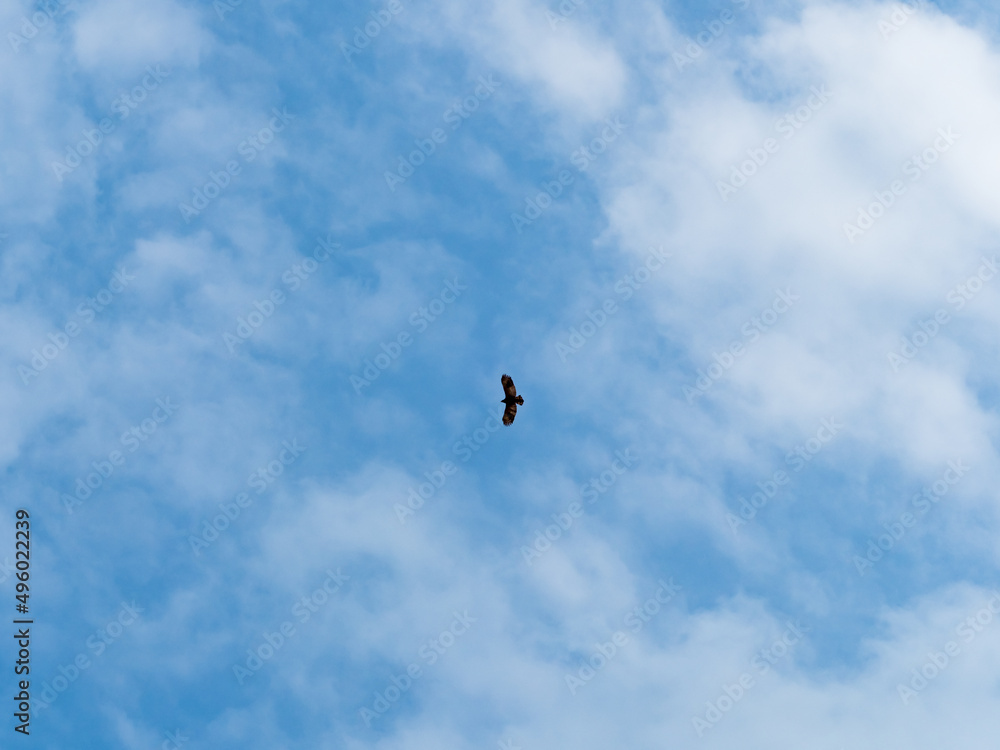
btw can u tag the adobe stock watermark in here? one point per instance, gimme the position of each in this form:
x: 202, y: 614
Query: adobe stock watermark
x: 464, y: 449
x: 581, y: 158
x: 915, y: 167
x: 454, y: 116
x: 432, y: 650
x: 420, y: 319
x: 938, y: 661
x: 471, y: 443
x: 174, y: 740
x: 373, y: 26
x: 424, y: 491
x: 40, y: 19
x: 966, y: 290
x: 224, y: 7
x: 123, y: 107
x: 958, y: 296
x: 97, y: 643
x: 303, y: 610
x: 591, y: 492
x: 732, y: 693
x: 565, y: 9
x: 796, y: 460
x: 627, y: 286
x: 86, y: 486
x: 293, y: 277
x: 635, y: 621
x: 704, y: 38
x: 921, y: 501
x: 787, y: 126
x: 752, y: 330
x: 901, y: 13
x: 86, y: 313
x: 259, y: 480
x: 249, y: 148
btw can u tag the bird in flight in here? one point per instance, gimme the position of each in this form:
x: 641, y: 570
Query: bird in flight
x: 510, y: 398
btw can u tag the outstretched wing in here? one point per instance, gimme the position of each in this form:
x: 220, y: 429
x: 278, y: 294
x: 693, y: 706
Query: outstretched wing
x: 510, y: 413
x: 508, y: 387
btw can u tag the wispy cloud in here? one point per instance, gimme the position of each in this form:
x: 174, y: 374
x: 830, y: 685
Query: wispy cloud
x: 263, y: 265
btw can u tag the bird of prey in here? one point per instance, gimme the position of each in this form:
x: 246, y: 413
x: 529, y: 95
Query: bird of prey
x: 510, y: 398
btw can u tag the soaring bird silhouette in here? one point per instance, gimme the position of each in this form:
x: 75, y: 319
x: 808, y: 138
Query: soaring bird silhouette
x: 510, y: 398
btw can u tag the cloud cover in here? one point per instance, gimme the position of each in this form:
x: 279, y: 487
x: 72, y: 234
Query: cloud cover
x: 755, y: 256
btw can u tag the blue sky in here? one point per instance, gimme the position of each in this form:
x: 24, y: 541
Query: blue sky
x: 264, y: 264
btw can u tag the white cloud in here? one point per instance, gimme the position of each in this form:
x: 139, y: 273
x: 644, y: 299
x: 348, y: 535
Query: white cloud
x: 121, y: 34
x: 571, y: 70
